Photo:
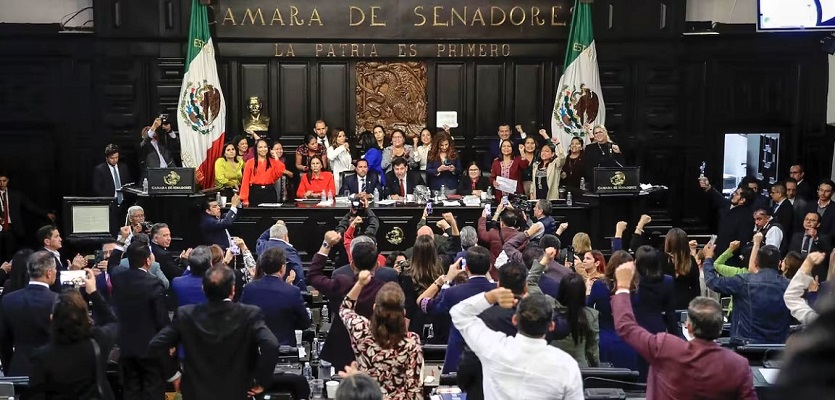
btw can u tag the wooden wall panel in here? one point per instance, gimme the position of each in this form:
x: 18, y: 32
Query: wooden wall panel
x: 293, y: 92
x: 527, y: 97
x: 450, y: 90
x: 333, y: 93
x: 255, y: 82
x: 489, y: 98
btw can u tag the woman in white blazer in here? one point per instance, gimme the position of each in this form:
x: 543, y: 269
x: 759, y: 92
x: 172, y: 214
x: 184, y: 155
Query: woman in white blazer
x: 339, y: 155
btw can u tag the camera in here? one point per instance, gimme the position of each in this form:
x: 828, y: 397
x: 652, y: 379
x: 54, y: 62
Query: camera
x: 358, y: 207
x: 163, y: 118
x: 146, y: 226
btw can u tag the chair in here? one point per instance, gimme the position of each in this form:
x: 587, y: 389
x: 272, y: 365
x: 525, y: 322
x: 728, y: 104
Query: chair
x: 621, y: 378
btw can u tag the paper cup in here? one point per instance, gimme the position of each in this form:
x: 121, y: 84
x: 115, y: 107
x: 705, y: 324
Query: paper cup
x: 410, y: 198
x: 331, y: 387
x: 222, y: 201
x: 298, y: 338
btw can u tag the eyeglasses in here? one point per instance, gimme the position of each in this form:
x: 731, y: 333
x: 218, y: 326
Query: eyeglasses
x: 810, y: 220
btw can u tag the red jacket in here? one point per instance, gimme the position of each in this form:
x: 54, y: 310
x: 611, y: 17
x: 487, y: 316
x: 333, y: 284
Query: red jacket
x: 515, y: 173
x: 494, y: 241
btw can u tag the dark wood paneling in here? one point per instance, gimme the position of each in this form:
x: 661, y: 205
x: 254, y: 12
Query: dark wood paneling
x: 450, y: 90
x: 293, y: 92
x: 527, y: 96
x: 255, y: 82
x: 489, y: 98
x: 333, y: 91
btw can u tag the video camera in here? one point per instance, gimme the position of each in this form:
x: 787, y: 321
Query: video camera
x: 358, y: 208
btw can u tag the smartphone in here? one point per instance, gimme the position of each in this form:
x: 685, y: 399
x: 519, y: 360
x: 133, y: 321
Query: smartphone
x: 464, y: 264
x: 488, y: 210
x: 712, y: 240
x: 73, y: 278
x: 505, y: 201
x: 428, y: 207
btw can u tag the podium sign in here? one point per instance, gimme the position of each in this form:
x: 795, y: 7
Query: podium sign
x: 170, y: 181
x: 617, y: 180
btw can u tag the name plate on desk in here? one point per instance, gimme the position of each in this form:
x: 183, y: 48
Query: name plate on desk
x: 617, y: 180
x: 170, y: 181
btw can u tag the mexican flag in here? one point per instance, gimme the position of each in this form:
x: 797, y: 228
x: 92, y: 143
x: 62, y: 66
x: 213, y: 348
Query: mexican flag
x: 579, y: 98
x: 201, y: 113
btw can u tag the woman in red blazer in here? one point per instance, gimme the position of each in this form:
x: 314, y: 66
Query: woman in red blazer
x: 315, y: 180
x: 510, y: 166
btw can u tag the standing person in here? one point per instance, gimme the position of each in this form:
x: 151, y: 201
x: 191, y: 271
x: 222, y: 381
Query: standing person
x: 315, y: 181
x: 798, y: 204
x: 260, y: 175
x: 601, y: 153
x: 574, y: 167
x: 339, y: 155
x: 613, y: 349
x: 153, y: 147
x: 509, y: 165
x: 443, y: 167
x: 381, y: 139
x: 320, y: 128
x: 494, y: 147
x: 283, y: 186
x: 506, y: 360
x: 384, y: 348
x: 673, y: 359
x: 805, y: 188
x: 528, y: 151
x: 422, y: 144
x: 546, y: 172
x: 824, y: 207
x: 12, y: 205
x: 229, y: 169
x: 109, y: 176
x: 245, y: 151
x: 734, y: 217
x: 372, y: 154
x: 25, y: 316
x: 781, y: 209
x: 76, y: 357
x: 141, y: 296
x: 231, y: 352
x: 473, y: 183
x: 309, y: 149
x: 215, y: 228
x: 582, y: 342
x: 398, y: 148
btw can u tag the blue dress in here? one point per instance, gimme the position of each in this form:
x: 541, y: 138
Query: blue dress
x: 612, y: 348
x: 446, y: 178
x: 375, y: 159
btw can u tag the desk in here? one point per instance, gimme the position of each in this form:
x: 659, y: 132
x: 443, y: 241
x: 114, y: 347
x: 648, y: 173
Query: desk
x: 180, y: 211
x: 307, y: 224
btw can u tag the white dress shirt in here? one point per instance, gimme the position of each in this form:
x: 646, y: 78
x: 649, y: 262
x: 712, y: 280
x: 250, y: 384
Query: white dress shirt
x: 162, y: 163
x: 517, y: 367
x: 773, y: 237
x: 795, y: 302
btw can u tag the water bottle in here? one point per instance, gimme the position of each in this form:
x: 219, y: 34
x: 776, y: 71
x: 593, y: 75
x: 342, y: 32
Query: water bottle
x: 442, y: 194
x: 314, y: 348
x: 325, y: 314
x: 376, y: 195
x: 568, y: 200
x: 330, y: 196
x: 217, y: 199
x: 145, y: 186
x: 489, y: 193
x: 583, y: 184
x: 323, y: 197
x: 307, y: 372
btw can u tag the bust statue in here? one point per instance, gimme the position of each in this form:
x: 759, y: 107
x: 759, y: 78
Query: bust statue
x: 256, y: 121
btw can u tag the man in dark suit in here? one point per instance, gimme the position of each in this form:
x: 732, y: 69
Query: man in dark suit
x: 139, y: 301
x: 189, y: 288
x: 805, y: 189
x: 400, y: 181
x: 824, y: 207
x: 25, y: 315
x: 109, y: 176
x: 337, y: 348
x: 735, y: 221
x: 494, y: 147
x: 478, y: 266
x: 12, y: 226
x: 281, y: 302
x: 231, y: 352
x: 50, y: 238
x: 362, y: 182
x: 798, y: 203
x: 278, y: 236
x: 214, y: 227
x: 172, y: 265
x: 782, y: 211
x: 153, y: 151
x: 809, y: 241
x: 673, y: 359
x: 760, y: 201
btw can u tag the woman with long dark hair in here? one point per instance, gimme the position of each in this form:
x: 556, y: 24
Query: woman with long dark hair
x: 315, y: 181
x: 283, y: 186
x: 384, y: 347
x: 339, y: 155
x: 19, y: 275
x: 574, y: 167
x: 420, y: 273
x: 509, y: 165
x: 372, y: 154
x: 473, y: 183
x: 613, y: 349
x: 422, y: 144
x: 381, y: 139
x: 245, y: 151
x: 546, y: 173
x: 310, y: 148
x: 260, y: 175
x: 73, y: 364
x: 582, y: 341
x: 229, y: 169
x: 443, y: 167
x: 528, y: 151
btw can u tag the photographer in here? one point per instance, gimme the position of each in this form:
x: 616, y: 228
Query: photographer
x: 136, y: 221
x: 368, y: 223
x: 508, y: 221
x: 155, y: 151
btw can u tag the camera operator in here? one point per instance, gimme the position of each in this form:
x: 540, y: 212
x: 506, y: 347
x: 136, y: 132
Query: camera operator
x: 157, y: 144
x: 136, y: 221
x: 368, y: 223
x: 508, y: 222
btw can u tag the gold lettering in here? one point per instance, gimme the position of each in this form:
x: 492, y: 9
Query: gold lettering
x: 252, y: 17
x: 482, y: 51
x: 505, y: 50
x: 277, y: 17
x: 343, y: 46
x: 471, y: 48
x: 454, y: 14
x: 554, y: 21
x: 441, y: 49
x: 294, y: 16
x: 452, y: 50
x: 520, y: 9
x: 319, y: 48
x: 331, y: 52
x: 198, y: 43
x: 435, y: 16
x: 478, y: 17
x: 493, y: 14
x: 374, y: 17
x: 290, y: 52
x: 535, y: 18
x: 494, y: 50
x: 417, y: 12
x: 373, y: 50
x: 229, y: 17
x: 355, y: 50
x: 351, y: 22
x: 314, y: 16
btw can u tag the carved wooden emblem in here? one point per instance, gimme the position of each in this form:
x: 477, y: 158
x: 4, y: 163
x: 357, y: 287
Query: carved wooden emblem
x: 391, y: 94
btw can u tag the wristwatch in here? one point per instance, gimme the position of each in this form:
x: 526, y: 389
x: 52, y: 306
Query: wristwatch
x: 325, y: 245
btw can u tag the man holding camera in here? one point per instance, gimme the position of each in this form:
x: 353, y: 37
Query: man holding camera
x: 156, y: 147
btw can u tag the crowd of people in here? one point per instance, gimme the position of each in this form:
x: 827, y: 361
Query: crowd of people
x: 500, y: 294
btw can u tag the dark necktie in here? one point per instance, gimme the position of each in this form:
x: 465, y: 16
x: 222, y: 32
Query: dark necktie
x: 806, y: 247
x: 6, y: 210
x: 402, y: 188
x: 362, y: 186
x: 118, y: 182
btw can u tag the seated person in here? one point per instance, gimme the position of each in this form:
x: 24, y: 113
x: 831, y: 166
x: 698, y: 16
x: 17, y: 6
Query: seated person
x: 315, y: 181
x: 363, y: 182
x: 473, y: 183
x: 400, y: 181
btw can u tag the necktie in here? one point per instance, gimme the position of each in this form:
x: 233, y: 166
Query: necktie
x: 807, y: 244
x: 774, y: 208
x: 473, y: 184
x: 5, y: 210
x: 402, y: 188
x: 117, y: 181
x: 362, y: 186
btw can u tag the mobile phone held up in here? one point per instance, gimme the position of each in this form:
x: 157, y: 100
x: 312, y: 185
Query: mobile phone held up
x: 429, y: 207
x: 463, y: 264
x: 712, y: 240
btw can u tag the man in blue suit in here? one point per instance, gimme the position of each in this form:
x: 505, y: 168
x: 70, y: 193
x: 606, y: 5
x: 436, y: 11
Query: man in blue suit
x: 282, y: 304
x: 189, y: 287
x: 25, y: 320
x: 214, y: 227
x: 361, y: 182
x: 478, y: 266
x: 277, y: 236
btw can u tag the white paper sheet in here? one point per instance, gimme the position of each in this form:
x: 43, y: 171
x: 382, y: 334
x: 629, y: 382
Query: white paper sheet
x: 770, y: 375
x: 90, y: 218
x: 451, y: 203
x: 385, y: 202
x: 506, y: 185
x: 270, y: 205
x: 448, y: 118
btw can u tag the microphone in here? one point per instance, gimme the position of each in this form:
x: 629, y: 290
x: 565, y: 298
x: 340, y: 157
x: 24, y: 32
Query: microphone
x: 612, y: 154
